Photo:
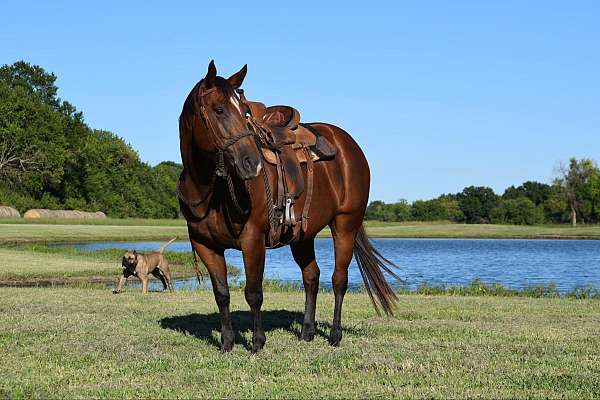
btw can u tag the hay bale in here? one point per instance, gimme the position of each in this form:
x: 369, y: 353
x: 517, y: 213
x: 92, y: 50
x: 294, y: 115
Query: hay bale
x: 9, y: 212
x: 37, y: 213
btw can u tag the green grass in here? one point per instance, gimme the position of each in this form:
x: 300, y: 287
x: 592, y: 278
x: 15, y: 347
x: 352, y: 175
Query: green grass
x: 105, y: 221
x: 21, y: 230
x: 480, y: 231
x: 22, y: 233
x: 39, y: 264
x: 66, y: 343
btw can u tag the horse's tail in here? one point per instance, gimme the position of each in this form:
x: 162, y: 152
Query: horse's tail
x: 371, y: 265
x: 164, y: 246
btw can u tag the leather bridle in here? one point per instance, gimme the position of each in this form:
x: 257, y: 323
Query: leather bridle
x: 220, y: 167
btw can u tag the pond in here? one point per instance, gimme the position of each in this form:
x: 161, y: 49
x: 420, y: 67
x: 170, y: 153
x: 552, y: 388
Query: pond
x: 513, y: 263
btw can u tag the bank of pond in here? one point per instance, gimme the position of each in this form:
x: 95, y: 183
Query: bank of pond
x: 542, y: 267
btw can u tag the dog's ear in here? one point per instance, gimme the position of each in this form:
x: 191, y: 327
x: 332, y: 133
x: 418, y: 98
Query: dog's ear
x: 135, y: 254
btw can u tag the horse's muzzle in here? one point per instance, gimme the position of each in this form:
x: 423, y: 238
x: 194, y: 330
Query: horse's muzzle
x: 248, y: 167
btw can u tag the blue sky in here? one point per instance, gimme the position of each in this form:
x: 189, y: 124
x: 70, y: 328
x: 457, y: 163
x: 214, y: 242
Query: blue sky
x: 440, y: 95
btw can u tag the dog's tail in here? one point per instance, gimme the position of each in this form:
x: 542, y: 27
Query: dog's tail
x: 164, y: 246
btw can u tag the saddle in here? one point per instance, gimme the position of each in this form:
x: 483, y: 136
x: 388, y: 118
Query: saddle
x: 286, y: 144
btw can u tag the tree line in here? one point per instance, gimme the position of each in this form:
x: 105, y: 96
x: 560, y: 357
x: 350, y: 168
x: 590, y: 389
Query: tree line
x: 49, y: 157
x: 573, y: 196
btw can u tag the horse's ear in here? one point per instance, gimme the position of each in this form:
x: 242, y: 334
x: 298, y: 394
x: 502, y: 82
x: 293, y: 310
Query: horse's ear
x: 236, y: 79
x: 209, y: 79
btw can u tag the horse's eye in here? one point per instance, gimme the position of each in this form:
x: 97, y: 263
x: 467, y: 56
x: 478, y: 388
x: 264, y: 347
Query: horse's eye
x: 248, y: 115
x: 219, y: 110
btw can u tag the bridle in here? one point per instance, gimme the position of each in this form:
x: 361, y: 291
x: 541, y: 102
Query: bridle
x: 260, y: 133
x: 220, y: 167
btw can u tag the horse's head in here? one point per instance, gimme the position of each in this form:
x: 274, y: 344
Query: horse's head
x: 216, y: 120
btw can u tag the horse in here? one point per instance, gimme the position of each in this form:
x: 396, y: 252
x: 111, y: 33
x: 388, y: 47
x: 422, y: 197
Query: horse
x: 216, y: 142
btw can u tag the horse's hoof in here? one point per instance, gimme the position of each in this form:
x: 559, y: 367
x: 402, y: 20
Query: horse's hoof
x: 335, y: 338
x: 308, y: 333
x: 226, y: 348
x: 226, y: 343
x: 258, y: 342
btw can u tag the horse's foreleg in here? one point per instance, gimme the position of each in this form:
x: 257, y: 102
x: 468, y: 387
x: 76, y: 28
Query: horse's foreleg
x: 254, y: 264
x: 304, y: 255
x: 215, y: 264
x: 344, y: 231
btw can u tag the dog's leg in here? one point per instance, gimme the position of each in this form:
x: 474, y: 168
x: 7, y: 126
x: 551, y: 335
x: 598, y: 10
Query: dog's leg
x: 120, y: 285
x: 166, y: 270
x: 159, y: 275
x: 144, y: 279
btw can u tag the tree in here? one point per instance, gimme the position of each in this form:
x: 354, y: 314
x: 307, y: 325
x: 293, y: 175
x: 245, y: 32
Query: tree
x: 535, y: 191
x: 380, y: 211
x: 476, y: 203
x: 50, y: 158
x: 33, y: 79
x: 582, y: 188
x: 440, y: 209
x: 556, y: 208
x: 15, y: 162
x: 519, y: 211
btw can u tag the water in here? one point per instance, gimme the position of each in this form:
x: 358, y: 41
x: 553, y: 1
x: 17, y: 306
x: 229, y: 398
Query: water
x: 512, y: 263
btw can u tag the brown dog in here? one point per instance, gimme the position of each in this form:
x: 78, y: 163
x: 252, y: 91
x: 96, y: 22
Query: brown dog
x: 142, y: 264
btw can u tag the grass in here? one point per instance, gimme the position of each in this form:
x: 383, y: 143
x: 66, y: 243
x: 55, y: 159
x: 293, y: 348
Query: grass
x: 105, y: 221
x: 480, y: 288
x: 23, y: 231
x: 39, y: 264
x: 78, y: 233
x: 66, y: 343
x: 480, y: 231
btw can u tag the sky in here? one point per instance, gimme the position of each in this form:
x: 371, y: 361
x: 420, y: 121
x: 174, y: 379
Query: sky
x: 439, y: 94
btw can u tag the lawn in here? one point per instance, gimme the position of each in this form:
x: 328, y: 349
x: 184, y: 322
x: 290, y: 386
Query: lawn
x: 69, y: 342
x: 37, y: 264
x: 20, y: 231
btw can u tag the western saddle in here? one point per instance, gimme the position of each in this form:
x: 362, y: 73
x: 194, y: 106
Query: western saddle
x: 286, y: 143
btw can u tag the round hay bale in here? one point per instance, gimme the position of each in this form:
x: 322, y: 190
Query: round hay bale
x: 9, y: 212
x: 62, y: 214
x: 32, y: 214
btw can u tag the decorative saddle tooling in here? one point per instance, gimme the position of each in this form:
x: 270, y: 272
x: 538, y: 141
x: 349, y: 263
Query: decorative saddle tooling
x: 286, y: 143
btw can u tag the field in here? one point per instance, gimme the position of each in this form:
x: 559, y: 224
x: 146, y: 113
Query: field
x: 65, y: 343
x: 82, y: 341
x: 20, y: 230
x: 31, y: 265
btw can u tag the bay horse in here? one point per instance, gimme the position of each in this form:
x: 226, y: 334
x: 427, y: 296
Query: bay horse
x: 216, y: 141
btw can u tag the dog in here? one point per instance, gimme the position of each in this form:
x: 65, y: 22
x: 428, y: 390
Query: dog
x: 142, y: 264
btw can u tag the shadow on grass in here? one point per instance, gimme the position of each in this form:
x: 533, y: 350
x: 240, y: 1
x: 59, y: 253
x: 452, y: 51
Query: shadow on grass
x: 202, y: 326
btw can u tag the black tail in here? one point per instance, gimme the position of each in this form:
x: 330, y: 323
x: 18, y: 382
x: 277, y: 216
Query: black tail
x: 371, y: 263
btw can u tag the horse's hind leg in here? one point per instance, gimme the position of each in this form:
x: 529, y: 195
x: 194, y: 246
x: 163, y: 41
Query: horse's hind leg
x: 304, y: 255
x: 343, y: 229
x: 215, y: 264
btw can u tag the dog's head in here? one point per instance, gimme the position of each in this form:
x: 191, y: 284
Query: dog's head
x: 130, y: 260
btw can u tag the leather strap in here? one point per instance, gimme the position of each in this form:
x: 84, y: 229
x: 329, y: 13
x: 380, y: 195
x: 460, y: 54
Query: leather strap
x: 309, y: 188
